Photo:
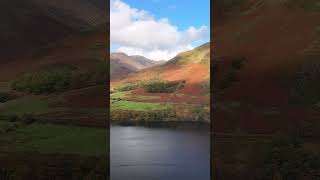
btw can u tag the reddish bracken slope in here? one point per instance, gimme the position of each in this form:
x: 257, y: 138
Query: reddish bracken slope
x: 193, y: 67
x: 274, y: 40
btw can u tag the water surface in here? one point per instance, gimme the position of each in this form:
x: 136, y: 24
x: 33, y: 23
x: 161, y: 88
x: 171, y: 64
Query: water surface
x: 139, y: 153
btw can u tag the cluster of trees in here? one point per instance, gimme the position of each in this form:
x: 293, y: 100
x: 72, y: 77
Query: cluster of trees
x: 143, y: 116
x: 44, y: 81
x: 153, y: 86
x: 161, y: 86
x: 58, y: 78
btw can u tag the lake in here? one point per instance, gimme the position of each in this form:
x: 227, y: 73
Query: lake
x: 139, y: 153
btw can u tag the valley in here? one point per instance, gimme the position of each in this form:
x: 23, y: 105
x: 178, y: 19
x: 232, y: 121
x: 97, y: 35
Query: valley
x: 176, y: 91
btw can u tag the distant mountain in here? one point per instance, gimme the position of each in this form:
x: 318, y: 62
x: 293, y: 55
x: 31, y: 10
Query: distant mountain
x: 192, y: 66
x: 121, y: 64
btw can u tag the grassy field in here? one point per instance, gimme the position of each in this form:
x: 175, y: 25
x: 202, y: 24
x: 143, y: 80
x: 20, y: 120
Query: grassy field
x: 137, y: 106
x: 119, y: 101
x: 48, y: 138
x: 37, y: 105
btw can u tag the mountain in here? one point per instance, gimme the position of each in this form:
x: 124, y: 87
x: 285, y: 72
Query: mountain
x: 30, y: 24
x: 121, y: 64
x: 192, y: 66
x: 181, y: 86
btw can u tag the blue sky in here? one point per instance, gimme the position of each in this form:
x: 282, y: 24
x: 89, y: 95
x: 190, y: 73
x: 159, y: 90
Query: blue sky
x: 182, y: 13
x: 191, y: 18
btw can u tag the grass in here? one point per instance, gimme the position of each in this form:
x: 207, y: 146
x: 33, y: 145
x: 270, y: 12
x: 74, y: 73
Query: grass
x: 137, y: 106
x: 47, y: 139
x: 35, y: 105
x: 121, y: 94
x: 146, y: 97
x: 4, y: 86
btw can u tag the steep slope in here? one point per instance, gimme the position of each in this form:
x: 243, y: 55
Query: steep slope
x: 191, y: 66
x: 121, y: 64
x: 265, y: 53
x: 27, y: 25
x: 270, y: 40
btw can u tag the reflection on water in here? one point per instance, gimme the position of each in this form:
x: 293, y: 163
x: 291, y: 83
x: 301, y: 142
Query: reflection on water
x: 139, y: 153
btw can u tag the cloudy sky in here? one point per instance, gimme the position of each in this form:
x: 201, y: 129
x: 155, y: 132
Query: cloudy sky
x: 158, y: 29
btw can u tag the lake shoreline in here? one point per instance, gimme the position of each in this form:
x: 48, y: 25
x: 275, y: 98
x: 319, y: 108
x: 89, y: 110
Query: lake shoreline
x: 164, y: 124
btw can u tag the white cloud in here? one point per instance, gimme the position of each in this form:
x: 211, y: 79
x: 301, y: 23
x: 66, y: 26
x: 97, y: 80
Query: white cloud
x: 137, y: 32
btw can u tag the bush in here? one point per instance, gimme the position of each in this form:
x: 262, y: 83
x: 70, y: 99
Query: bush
x: 13, y: 118
x: 237, y: 63
x: 28, y: 118
x: 43, y: 82
x: 129, y: 86
x: 142, y: 116
x: 161, y: 86
x: 201, y: 114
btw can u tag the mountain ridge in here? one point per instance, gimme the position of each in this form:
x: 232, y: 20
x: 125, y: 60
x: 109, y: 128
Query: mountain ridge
x: 121, y: 64
x: 191, y: 66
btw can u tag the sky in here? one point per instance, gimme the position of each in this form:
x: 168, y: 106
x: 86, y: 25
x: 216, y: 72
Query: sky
x: 158, y: 29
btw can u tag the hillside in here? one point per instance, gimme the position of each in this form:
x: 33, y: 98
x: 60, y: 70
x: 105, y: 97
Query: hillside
x: 33, y: 24
x: 266, y: 82
x: 192, y: 66
x: 52, y: 77
x: 271, y: 42
x: 121, y: 64
x: 175, y: 91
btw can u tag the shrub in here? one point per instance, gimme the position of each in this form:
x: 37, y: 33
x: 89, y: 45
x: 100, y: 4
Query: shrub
x: 201, y: 114
x: 129, y: 86
x: 4, y: 97
x: 28, y: 118
x: 206, y: 87
x: 237, y: 63
x: 13, y: 118
x: 143, y: 116
x: 48, y: 80
x: 161, y: 86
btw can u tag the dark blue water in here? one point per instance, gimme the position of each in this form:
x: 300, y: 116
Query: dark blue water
x: 139, y: 153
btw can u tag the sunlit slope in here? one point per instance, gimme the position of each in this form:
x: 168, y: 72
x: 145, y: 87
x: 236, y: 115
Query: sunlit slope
x: 192, y: 66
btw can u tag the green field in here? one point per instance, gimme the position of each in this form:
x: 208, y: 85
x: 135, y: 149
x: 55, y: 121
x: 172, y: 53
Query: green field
x: 119, y: 101
x: 37, y: 105
x: 137, y: 106
x: 48, y: 138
